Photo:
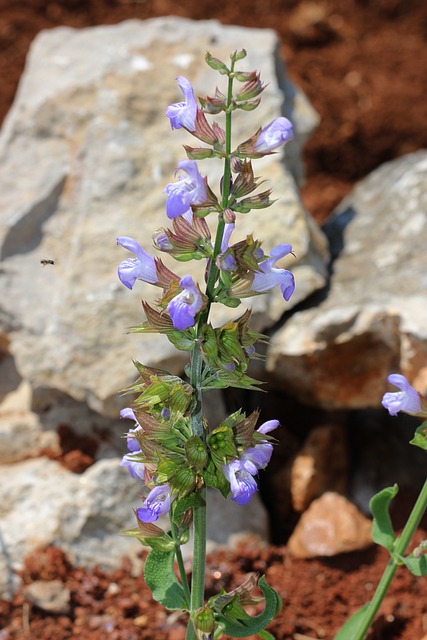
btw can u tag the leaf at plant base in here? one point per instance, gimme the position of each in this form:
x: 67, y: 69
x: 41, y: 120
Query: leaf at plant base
x: 382, y: 528
x: 248, y: 625
x: 265, y: 635
x: 352, y: 625
x: 161, y: 579
x: 417, y: 566
x: 420, y: 437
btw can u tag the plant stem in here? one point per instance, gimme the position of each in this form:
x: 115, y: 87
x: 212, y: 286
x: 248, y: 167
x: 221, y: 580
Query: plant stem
x: 400, y: 548
x: 199, y: 512
x: 180, y: 562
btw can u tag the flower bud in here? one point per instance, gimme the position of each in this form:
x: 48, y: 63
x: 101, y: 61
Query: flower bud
x: 216, y: 64
x: 196, y: 452
x: 238, y: 55
x: 221, y: 445
x: 184, y: 480
x: 229, y: 216
x: 204, y: 622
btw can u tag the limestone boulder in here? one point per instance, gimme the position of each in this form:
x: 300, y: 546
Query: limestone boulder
x: 85, y: 154
x: 320, y: 465
x: 372, y: 319
x: 331, y: 525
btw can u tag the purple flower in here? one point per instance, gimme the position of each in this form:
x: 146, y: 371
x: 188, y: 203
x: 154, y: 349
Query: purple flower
x: 157, y: 502
x: 228, y: 230
x: 142, y: 267
x: 183, y: 114
x: 269, y: 276
x: 242, y: 482
x: 185, y: 192
x: 183, y: 307
x: 274, y: 135
x: 406, y: 400
x: 259, y: 455
x: 135, y: 467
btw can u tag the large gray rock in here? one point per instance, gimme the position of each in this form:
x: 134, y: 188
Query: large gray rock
x: 43, y: 503
x: 374, y: 318
x: 84, y: 156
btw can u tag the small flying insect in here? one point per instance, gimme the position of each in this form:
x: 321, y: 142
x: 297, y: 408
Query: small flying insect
x: 44, y: 262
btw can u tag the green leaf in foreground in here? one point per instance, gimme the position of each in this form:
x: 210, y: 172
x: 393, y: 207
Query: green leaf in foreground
x: 353, y: 624
x: 160, y: 578
x: 417, y: 566
x: 382, y: 528
x: 420, y: 437
x: 247, y: 625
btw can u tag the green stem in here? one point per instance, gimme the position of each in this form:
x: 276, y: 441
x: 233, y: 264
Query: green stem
x: 401, y: 546
x: 199, y: 512
x: 180, y: 562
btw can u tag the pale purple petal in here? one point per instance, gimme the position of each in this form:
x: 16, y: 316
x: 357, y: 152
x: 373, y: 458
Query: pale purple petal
x: 186, y: 191
x: 142, y: 267
x: 183, y: 114
x: 259, y: 456
x: 225, y: 242
x: 184, y: 306
x: 135, y: 468
x: 406, y: 400
x: 129, y: 414
x: 157, y: 502
x: 274, y: 135
x: 242, y: 483
x: 268, y: 426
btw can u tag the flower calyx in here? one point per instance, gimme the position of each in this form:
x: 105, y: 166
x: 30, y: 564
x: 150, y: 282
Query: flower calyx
x: 189, y: 240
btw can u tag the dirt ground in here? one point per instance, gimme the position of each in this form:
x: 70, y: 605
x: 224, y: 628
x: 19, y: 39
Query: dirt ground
x: 363, y: 65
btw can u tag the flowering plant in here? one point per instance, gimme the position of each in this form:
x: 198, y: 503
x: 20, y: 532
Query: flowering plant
x: 171, y: 447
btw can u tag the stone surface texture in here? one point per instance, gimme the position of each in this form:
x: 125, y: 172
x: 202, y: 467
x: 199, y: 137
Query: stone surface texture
x: 373, y: 319
x: 320, y: 465
x: 331, y: 525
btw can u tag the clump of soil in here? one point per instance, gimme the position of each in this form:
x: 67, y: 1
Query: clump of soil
x: 318, y: 596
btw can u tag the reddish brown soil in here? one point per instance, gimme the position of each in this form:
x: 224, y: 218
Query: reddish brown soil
x: 318, y: 595
x: 363, y: 65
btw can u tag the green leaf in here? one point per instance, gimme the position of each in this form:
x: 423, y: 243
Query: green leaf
x: 420, y: 437
x: 161, y: 579
x: 183, y: 504
x: 247, y: 625
x: 351, y: 627
x: 417, y: 566
x: 382, y: 528
x: 265, y: 635
x: 180, y: 340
